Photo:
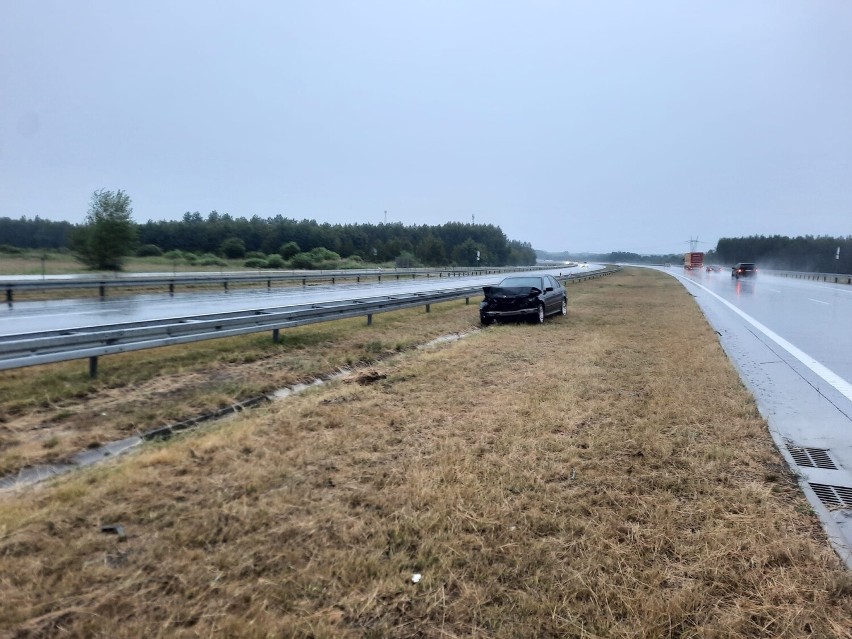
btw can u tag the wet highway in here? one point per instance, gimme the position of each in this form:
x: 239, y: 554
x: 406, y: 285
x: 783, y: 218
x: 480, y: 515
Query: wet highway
x: 34, y: 317
x: 815, y: 316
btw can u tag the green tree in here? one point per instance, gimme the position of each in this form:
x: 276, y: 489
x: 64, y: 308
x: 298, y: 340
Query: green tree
x: 406, y: 259
x: 233, y: 248
x: 108, y: 234
x: 466, y: 253
x: 288, y: 250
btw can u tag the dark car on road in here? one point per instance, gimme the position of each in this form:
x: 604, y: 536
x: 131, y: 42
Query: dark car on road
x: 743, y: 269
x: 523, y: 297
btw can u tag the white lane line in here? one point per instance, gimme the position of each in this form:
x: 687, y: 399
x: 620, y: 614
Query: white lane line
x: 819, y: 301
x: 827, y: 375
x: 774, y: 290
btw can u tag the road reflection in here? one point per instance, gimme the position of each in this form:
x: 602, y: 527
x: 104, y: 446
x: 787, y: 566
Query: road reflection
x: 744, y: 287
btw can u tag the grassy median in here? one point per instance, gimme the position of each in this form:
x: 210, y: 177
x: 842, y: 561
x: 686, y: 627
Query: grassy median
x: 49, y: 412
x: 602, y: 475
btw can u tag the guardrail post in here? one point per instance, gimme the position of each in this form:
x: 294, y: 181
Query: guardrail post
x: 276, y: 335
x: 332, y: 281
x: 304, y: 281
x: 413, y: 275
x: 102, y: 290
x: 369, y: 319
x: 358, y: 279
x: 171, y: 288
x: 268, y: 284
x: 9, y: 295
x: 467, y: 301
x: 380, y: 277
x: 226, y: 286
x: 428, y: 308
x: 93, y: 366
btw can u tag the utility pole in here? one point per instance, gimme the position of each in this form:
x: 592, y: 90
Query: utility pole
x: 386, y: 217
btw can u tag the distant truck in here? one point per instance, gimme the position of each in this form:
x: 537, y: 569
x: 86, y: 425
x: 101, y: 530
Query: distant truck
x: 693, y: 261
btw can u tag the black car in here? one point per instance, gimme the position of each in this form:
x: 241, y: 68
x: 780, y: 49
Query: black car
x: 523, y: 297
x: 743, y: 269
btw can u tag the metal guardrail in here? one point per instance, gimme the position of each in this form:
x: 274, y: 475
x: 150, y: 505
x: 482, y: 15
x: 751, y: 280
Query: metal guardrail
x: 831, y: 278
x: 101, y: 283
x: 47, y: 347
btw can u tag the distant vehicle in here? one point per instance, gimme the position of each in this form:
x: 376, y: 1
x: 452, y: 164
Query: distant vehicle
x: 743, y: 269
x: 693, y: 261
x: 523, y: 297
x: 713, y: 268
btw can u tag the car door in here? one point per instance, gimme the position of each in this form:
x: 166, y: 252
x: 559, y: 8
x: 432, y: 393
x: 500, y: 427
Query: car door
x: 558, y: 295
x: 552, y: 297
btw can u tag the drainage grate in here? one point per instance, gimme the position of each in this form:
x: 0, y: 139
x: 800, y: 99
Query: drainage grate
x: 833, y: 495
x: 811, y: 457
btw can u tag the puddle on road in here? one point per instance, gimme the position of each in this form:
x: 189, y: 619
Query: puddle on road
x: 40, y: 472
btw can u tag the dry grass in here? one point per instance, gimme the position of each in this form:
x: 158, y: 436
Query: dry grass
x: 49, y: 412
x: 604, y: 475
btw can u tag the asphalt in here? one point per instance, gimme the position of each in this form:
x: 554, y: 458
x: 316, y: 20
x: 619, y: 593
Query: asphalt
x: 33, y: 317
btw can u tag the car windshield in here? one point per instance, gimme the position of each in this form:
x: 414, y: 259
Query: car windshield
x: 521, y: 282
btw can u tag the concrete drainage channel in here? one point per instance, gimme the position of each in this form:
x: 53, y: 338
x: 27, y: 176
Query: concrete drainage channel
x: 38, y: 473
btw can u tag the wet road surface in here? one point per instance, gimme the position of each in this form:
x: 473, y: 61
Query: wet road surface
x: 34, y: 317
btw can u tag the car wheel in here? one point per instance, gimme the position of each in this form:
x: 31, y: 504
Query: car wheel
x: 485, y: 321
x: 564, y: 306
x: 540, y: 316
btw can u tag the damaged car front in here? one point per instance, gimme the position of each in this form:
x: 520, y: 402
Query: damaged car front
x: 518, y: 298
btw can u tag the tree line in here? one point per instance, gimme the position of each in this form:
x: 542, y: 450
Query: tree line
x: 451, y: 243
x: 35, y: 233
x: 109, y: 234
x: 625, y: 257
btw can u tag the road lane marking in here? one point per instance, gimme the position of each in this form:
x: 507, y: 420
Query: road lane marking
x: 823, y: 372
x: 819, y: 301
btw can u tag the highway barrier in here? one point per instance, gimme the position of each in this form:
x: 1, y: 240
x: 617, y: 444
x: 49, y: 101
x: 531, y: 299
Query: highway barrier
x: 227, y: 280
x: 831, y: 278
x: 46, y: 347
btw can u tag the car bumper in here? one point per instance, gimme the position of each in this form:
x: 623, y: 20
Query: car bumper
x: 520, y: 312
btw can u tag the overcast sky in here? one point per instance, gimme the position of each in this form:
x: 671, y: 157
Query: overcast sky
x: 584, y: 126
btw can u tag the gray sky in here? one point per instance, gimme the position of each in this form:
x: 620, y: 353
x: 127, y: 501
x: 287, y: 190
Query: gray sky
x: 585, y: 126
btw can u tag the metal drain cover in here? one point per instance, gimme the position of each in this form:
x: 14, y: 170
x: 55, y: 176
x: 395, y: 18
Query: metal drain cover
x: 833, y: 495
x: 811, y: 457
